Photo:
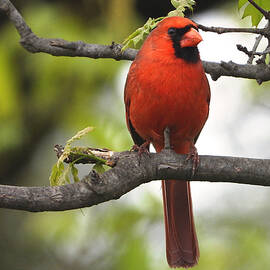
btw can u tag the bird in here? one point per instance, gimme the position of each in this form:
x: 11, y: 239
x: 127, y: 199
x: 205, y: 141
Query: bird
x: 167, y: 88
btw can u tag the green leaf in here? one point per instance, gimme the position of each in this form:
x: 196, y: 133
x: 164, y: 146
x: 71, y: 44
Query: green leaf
x: 74, y: 172
x: 250, y: 10
x: 175, y: 3
x: 80, y: 134
x: 256, y: 16
x: 136, y: 39
x: 99, y: 167
x: 64, y: 177
x: 57, y: 171
x: 60, y: 174
x: 241, y: 3
x: 183, y: 3
x: 176, y: 12
x: 67, y: 148
x: 180, y: 6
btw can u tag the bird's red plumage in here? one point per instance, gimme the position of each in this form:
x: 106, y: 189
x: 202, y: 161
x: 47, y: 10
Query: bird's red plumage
x: 163, y: 90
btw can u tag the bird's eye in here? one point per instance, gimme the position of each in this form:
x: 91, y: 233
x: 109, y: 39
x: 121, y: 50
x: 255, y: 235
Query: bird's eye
x: 171, y: 31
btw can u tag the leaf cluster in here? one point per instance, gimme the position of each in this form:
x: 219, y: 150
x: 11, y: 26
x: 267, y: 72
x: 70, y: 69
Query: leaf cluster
x: 60, y: 174
x: 136, y: 39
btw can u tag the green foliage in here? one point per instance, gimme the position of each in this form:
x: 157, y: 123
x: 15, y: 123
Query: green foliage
x: 250, y: 10
x: 60, y: 174
x: 180, y: 6
x: 56, y: 173
x: 99, y: 167
x: 74, y: 172
x: 136, y: 39
x: 77, y: 136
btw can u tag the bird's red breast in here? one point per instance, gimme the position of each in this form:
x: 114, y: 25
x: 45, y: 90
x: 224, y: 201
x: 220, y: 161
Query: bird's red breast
x: 167, y: 87
x: 165, y: 90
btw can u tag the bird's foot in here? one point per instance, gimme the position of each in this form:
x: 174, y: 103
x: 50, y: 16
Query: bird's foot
x: 193, y: 155
x: 143, y: 148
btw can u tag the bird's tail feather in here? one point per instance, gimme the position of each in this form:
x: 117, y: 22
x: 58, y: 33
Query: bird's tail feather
x: 181, y: 240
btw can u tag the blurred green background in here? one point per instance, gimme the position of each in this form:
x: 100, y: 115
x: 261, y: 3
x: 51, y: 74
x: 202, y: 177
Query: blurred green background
x: 44, y: 100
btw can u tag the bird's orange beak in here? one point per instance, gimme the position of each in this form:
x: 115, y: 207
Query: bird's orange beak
x: 191, y: 39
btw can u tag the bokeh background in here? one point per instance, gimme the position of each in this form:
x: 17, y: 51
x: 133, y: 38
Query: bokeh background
x: 44, y: 100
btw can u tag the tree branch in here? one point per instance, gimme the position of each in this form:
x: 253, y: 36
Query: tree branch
x: 60, y: 47
x: 131, y: 171
x: 252, y: 53
x: 259, y: 72
x: 222, y: 30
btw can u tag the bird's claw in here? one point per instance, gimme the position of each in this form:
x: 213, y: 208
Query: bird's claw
x: 193, y: 155
x: 143, y: 148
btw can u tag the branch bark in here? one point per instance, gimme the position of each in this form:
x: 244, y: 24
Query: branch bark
x: 259, y: 72
x: 222, y: 30
x: 131, y: 171
x: 60, y: 47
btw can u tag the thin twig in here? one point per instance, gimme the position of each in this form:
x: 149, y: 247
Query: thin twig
x: 266, y: 51
x: 268, y: 40
x: 222, y: 30
x: 252, y: 53
x: 255, y: 46
x: 88, y: 155
x: 244, y: 50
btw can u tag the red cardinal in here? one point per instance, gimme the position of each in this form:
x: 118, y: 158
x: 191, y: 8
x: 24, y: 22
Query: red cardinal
x: 166, y: 87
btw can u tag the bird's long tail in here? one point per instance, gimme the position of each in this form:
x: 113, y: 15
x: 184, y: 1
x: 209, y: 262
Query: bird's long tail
x: 181, y: 240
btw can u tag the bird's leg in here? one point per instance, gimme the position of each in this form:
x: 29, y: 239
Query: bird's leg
x: 193, y: 155
x: 167, y: 143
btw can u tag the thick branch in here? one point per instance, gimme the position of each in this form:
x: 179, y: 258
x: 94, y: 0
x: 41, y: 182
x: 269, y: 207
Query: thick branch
x: 259, y: 72
x: 130, y: 172
x: 60, y: 47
